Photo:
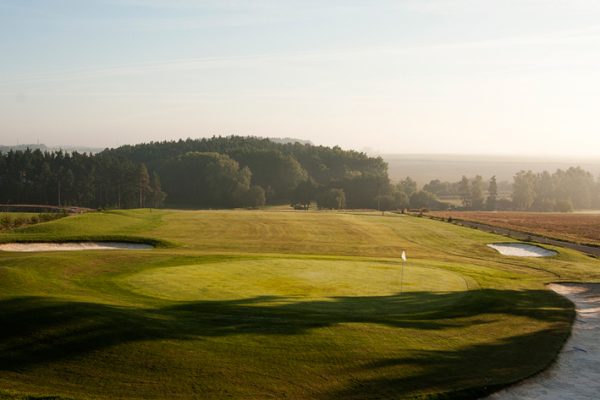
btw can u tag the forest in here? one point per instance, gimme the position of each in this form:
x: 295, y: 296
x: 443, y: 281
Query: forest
x: 219, y: 172
x: 235, y: 171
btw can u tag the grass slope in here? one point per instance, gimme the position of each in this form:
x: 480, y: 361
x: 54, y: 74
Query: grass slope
x: 274, y: 304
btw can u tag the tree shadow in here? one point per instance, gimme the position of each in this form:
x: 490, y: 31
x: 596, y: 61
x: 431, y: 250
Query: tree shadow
x: 38, y: 330
x: 451, y: 374
x: 36, y: 326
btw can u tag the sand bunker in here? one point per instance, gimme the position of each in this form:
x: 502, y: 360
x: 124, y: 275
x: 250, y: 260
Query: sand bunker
x: 73, y: 246
x: 522, y: 250
x: 576, y: 373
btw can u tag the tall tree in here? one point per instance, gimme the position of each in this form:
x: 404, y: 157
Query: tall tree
x: 477, y: 197
x: 523, y: 190
x: 304, y: 193
x: 143, y: 183
x: 157, y: 196
x: 438, y: 187
x: 464, y: 191
x: 255, y: 197
x: 334, y: 199
x: 408, y: 186
x: 544, y: 198
x: 492, y: 198
x: 423, y: 199
x: 205, y: 180
x: 401, y: 200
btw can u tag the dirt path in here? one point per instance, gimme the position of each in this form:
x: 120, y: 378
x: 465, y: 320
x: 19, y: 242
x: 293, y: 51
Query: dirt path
x: 576, y: 373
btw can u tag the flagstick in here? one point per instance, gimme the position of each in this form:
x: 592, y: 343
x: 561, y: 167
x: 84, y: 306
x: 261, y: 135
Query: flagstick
x: 402, y: 266
x: 401, y: 276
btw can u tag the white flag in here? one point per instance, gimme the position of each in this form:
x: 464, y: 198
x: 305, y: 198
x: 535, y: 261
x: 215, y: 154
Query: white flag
x: 403, y: 256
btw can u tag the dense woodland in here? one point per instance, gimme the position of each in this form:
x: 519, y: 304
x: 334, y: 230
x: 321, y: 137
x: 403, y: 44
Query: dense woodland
x: 219, y: 172
x: 225, y: 172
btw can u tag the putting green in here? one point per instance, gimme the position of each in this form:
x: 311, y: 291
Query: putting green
x: 290, y: 278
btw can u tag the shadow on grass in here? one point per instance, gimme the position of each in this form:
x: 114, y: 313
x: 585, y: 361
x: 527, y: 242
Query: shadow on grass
x: 40, y: 330
x: 467, y: 373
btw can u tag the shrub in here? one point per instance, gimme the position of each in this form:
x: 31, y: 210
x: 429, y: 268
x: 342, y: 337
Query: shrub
x: 19, y: 221
x: 51, y: 216
x: 46, y: 217
x: 6, y: 221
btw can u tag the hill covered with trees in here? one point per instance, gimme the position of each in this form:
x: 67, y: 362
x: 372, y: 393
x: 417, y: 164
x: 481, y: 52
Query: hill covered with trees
x: 218, y: 172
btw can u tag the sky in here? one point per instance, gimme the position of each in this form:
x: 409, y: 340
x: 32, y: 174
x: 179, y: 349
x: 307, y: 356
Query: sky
x: 405, y: 76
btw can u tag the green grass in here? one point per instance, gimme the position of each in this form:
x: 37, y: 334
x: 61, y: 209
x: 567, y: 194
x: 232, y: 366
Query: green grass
x: 274, y: 304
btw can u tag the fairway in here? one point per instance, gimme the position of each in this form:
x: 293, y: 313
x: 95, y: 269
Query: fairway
x: 272, y: 304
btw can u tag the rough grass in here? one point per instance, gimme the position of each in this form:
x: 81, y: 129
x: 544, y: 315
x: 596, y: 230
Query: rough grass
x: 274, y: 304
x: 18, y: 214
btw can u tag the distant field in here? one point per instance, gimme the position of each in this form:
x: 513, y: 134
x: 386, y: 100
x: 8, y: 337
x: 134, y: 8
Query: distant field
x: 576, y: 227
x: 275, y: 304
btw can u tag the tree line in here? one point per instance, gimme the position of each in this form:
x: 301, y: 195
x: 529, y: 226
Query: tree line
x: 234, y: 171
x: 218, y: 172
x: 61, y: 178
x: 561, y: 191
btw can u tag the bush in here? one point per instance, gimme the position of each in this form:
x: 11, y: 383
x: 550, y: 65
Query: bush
x: 46, y: 217
x: 34, y: 219
x: 20, y: 221
x: 51, y: 216
x: 6, y: 221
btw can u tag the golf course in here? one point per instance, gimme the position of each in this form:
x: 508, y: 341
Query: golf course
x: 274, y: 303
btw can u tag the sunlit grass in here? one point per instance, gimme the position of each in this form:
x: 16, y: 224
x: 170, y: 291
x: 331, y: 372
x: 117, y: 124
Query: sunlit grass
x: 260, y: 304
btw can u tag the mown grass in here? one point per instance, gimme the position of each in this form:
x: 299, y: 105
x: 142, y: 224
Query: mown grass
x: 274, y: 304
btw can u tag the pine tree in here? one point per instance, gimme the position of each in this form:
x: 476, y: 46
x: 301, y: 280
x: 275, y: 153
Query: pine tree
x: 492, y: 194
x: 464, y: 190
x: 143, y: 183
x: 157, y: 196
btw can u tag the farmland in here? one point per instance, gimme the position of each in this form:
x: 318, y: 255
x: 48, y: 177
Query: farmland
x: 574, y: 227
x: 270, y: 304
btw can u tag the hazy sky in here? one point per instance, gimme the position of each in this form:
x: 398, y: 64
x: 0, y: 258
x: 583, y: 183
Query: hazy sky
x: 414, y: 76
